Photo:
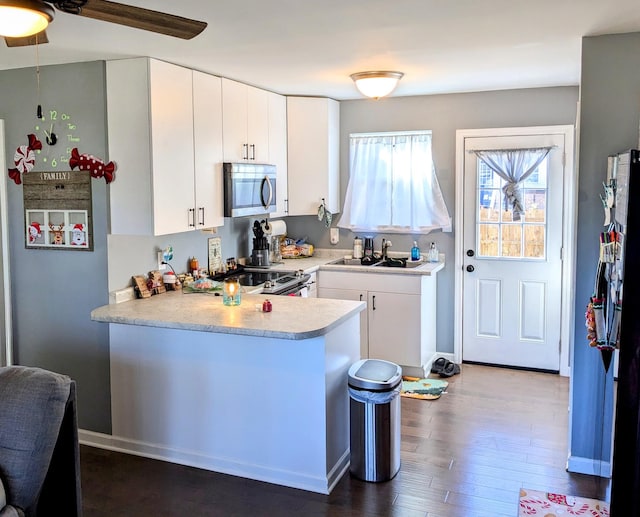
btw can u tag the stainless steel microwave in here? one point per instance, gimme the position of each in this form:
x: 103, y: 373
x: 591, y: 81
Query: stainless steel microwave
x: 249, y: 189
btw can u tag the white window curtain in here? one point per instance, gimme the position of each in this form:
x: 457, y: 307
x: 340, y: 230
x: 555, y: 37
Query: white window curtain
x: 393, y: 186
x: 513, y: 166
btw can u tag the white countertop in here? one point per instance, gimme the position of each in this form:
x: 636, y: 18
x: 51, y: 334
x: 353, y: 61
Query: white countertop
x: 291, y: 317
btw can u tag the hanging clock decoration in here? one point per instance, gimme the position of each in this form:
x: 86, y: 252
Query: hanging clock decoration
x: 58, y: 133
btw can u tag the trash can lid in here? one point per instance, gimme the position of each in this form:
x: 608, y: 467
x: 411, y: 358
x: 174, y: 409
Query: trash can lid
x: 375, y: 374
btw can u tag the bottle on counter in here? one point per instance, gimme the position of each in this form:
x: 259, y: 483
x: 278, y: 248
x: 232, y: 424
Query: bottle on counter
x: 193, y: 266
x: 368, y: 246
x: 433, y: 253
x: 357, y: 248
x: 415, y: 251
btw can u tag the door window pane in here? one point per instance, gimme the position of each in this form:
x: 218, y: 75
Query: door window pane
x: 535, y: 205
x: 489, y: 202
x: 488, y: 237
x: 534, y: 241
x: 512, y: 240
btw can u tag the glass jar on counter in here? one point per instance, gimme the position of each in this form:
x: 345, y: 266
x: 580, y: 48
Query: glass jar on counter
x: 231, y: 292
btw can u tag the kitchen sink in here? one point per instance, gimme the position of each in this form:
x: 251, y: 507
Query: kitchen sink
x: 402, y: 262
x: 348, y: 262
x: 392, y: 262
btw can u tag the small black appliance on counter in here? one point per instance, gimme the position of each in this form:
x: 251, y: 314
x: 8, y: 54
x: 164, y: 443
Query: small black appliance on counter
x: 260, y: 252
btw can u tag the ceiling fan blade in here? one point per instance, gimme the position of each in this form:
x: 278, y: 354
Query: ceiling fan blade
x: 140, y: 18
x: 24, y: 41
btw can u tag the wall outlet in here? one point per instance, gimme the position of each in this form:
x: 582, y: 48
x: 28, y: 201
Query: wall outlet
x: 334, y: 235
x: 161, y: 266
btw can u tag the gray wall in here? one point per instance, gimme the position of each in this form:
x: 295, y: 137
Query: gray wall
x: 53, y: 291
x: 443, y: 114
x: 609, y: 117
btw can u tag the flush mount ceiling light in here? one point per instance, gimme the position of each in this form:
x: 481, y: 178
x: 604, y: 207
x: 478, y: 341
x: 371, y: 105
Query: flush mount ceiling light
x: 376, y: 84
x: 24, y: 17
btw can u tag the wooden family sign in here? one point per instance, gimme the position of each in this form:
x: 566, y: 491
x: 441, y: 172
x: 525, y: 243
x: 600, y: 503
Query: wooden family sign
x: 57, y: 210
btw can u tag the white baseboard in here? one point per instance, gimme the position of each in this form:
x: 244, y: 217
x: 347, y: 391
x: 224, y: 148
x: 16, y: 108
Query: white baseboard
x: 589, y: 466
x: 222, y: 465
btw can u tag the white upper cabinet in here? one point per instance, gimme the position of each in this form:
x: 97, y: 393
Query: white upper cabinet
x: 278, y: 149
x: 163, y: 165
x: 313, y: 129
x: 207, y: 141
x: 245, y: 122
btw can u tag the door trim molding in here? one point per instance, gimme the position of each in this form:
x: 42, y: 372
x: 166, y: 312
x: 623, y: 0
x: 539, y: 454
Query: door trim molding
x: 569, y: 227
x: 4, y: 249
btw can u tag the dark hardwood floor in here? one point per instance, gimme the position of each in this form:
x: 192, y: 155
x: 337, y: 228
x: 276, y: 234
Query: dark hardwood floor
x: 466, y: 454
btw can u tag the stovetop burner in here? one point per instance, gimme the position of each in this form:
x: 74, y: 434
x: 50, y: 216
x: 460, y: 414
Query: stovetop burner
x: 273, y: 282
x: 253, y: 278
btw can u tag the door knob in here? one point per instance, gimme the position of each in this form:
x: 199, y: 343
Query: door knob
x: 470, y: 253
x: 471, y: 269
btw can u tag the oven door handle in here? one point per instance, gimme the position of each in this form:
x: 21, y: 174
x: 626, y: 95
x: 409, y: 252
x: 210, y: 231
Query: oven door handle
x: 268, y: 181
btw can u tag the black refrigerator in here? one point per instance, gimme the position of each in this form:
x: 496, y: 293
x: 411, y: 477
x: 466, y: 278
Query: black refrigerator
x: 625, y: 486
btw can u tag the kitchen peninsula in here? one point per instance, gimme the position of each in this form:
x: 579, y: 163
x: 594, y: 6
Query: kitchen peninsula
x: 233, y: 389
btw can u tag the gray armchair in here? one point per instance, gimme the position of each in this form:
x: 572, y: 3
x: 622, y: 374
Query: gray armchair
x: 39, y: 453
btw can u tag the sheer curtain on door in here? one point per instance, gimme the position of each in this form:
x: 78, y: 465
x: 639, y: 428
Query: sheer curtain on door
x: 513, y: 166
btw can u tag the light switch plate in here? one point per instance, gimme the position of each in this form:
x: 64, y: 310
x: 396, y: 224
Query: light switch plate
x: 334, y: 235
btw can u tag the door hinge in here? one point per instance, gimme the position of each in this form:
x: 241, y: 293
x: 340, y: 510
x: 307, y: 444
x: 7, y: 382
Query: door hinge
x: 561, y: 253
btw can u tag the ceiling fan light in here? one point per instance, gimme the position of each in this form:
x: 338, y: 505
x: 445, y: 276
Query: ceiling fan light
x: 20, y: 18
x: 376, y: 84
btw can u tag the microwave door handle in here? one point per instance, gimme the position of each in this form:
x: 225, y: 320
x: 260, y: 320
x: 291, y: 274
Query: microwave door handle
x: 268, y: 181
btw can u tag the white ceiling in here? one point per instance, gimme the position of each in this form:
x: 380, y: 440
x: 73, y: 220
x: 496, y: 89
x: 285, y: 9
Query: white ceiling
x: 306, y: 47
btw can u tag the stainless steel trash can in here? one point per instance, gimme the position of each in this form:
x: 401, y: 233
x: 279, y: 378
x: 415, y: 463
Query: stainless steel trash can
x: 374, y: 389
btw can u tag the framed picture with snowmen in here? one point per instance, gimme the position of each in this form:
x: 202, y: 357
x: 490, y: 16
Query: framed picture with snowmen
x: 58, y: 210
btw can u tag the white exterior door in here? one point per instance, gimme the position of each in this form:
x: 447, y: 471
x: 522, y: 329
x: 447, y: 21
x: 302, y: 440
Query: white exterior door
x: 512, y: 270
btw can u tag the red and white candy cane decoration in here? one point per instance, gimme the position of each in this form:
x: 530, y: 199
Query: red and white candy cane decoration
x: 96, y: 167
x: 24, y: 158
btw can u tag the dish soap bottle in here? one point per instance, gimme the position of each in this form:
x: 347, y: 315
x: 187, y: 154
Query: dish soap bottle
x: 433, y: 253
x: 357, y: 248
x: 415, y: 251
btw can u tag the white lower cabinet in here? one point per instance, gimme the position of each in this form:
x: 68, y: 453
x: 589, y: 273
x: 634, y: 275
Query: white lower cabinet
x: 399, y: 324
x: 357, y: 295
x: 394, y: 327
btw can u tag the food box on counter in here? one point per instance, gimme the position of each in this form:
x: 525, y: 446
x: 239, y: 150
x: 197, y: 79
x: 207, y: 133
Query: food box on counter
x: 203, y: 285
x: 296, y: 251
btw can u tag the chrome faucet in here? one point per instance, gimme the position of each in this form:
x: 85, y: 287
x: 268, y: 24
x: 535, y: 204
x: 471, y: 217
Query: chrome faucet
x: 385, y: 244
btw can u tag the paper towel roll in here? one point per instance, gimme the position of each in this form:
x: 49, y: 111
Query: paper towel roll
x: 278, y: 227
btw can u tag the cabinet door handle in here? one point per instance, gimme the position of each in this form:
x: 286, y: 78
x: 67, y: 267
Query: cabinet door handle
x: 253, y: 151
x: 201, y: 210
x: 374, y: 302
x: 192, y: 217
x: 360, y: 296
x: 245, y: 151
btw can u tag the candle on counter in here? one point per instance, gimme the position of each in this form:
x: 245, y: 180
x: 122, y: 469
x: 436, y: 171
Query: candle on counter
x: 231, y: 292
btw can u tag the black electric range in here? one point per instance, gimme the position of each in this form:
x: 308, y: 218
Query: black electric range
x: 274, y: 282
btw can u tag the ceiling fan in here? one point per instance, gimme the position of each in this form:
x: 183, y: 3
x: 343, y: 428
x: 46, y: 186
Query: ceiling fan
x: 103, y: 10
